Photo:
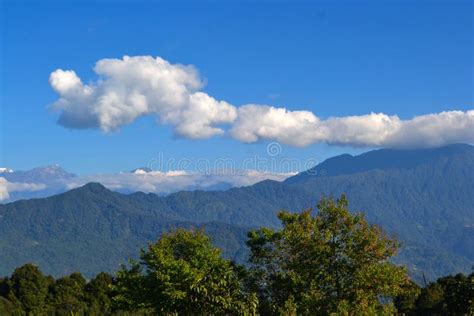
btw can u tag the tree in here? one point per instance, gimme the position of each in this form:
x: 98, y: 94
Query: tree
x: 30, y: 287
x: 183, y: 273
x: 66, y: 295
x: 98, y: 294
x: 330, y: 262
x: 450, y: 295
x: 406, y: 301
x: 458, y: 293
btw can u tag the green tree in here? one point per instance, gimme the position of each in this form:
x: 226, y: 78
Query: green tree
x: 29, y: 286
x: 431, y: 300
x: 183, y: 273
x: 406, y: 301
x: 458, y: 293
x: 450, y: 295
x: 66, y: 295
x: 9, y: 308
x: 331, y: 262
x: 98, y: 294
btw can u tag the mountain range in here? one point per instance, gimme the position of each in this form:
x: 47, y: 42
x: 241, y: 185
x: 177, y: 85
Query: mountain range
x: 425, y: 198
x: 50, y: 180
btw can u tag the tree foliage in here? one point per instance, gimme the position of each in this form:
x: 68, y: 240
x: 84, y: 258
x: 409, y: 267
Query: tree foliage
x: 450, y: 295
x: 29, y: 292
x: 330, y: 262
x: 29, y: 287
x: 327, y: 262
x: 183, y: 273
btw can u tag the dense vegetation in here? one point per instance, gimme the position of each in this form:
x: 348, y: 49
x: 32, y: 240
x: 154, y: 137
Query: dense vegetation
x: 330, y: 262
x: 424, y: 197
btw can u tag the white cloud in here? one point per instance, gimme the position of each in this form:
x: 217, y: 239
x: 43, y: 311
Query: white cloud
x: 131, y: 87
x: 4, y: 195
x: 135, y: 86
x: 45, y: 181
x: 257, y: 122
x: 22, y: 186
x: 174, y: 181
x: 9, y: 187
x: 434, y: 130
x: 302, y: 128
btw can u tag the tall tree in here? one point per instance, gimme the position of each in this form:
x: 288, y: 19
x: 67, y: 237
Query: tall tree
x: 66, y: 295
x: 331, y: 262
x: 449, y: 295
x: 98, y: 294
x: 30, y: 287
x: 183, y: 273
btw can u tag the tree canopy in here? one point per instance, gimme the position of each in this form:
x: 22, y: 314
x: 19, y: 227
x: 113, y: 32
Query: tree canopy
x: 330, y: 262
x: 321, y: 262
x: 183, y: 273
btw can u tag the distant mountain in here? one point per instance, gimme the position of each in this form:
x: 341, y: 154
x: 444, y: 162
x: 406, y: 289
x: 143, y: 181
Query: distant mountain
x: 382, y: 159
x: 37, y: 182
x: 47, y: 181
x: 424, y: 197
x: 46, y: 174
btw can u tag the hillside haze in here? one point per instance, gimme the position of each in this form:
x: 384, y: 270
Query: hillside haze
x: 423, y: 197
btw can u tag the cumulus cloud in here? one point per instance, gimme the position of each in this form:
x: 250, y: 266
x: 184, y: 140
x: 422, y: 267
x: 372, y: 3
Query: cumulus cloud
x: 257, y: 122
x: 301, y: 128
x: 131, y: 87
x: 135, y: 86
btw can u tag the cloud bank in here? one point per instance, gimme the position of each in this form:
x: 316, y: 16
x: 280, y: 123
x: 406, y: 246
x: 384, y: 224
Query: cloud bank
x: 7, y: 187
x: 145, y: 181
x: 132, y: 87
x: 4, y: 195
x: 302, y: 128
x: 174, y: 181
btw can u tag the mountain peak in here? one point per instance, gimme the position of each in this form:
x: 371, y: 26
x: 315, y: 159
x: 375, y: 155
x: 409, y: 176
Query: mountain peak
x: 88, y: 188
x: 51, y: 169
x: 94, y: 187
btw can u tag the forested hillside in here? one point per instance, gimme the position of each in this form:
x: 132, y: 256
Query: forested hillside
x: 423, y: 197
x: 328, y: 263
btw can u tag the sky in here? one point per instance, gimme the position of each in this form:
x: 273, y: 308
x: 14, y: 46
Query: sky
x: 206, y: 81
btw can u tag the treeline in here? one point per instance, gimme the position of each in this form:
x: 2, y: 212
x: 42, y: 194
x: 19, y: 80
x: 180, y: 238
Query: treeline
x: 333, y: 262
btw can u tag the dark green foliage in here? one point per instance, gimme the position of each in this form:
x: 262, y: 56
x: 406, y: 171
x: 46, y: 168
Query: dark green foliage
x: 451, y: 295
x: 183, y: 274
x: 29, y: 292
x: 29, y: 286
x: 98, y: 293
x: 66, y: 295
x: 314, y: 265
x: 405, y: 302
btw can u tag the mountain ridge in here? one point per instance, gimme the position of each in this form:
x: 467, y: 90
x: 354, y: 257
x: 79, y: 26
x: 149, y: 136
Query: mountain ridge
x: 430, y: 207
x: 379, y: 159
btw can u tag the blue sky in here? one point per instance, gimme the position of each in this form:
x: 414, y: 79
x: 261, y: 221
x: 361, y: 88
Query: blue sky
x: 335, y: 58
